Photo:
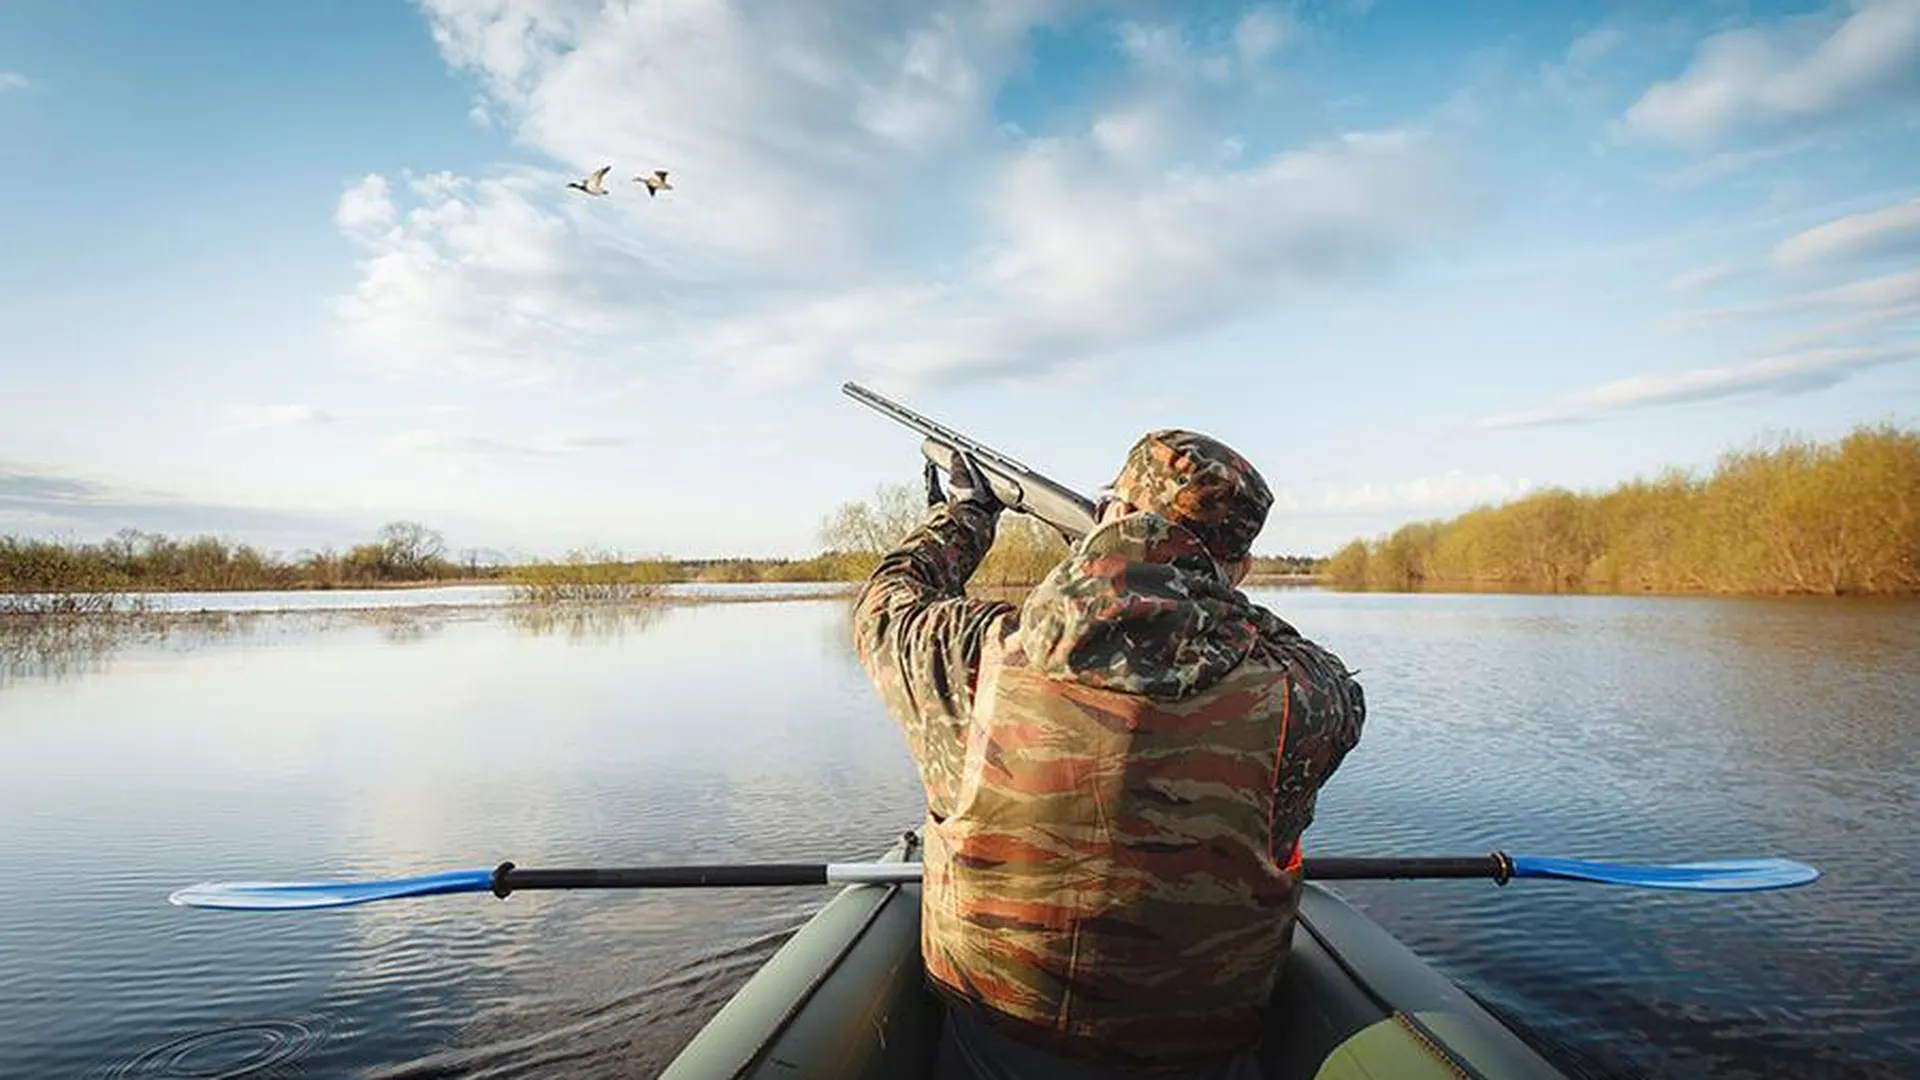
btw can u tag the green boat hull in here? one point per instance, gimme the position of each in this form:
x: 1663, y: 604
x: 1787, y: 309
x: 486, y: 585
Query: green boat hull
x: 845, y: 999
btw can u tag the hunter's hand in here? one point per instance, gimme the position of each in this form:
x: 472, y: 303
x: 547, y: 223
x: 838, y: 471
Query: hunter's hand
x: 934, y: 495
x: 968, y: 484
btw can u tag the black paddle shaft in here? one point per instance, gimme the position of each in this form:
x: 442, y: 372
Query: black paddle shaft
x: 508, y: 879
x: 1496, y: 866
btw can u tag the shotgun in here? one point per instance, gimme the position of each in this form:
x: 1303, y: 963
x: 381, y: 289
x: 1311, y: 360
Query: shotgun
x: 1014, y: 484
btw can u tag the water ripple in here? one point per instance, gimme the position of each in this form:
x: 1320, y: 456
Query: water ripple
x: 260, y: 1048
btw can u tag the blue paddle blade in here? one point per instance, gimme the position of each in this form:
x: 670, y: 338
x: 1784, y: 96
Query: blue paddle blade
x: 1723, y: 875
x: 289, y: 895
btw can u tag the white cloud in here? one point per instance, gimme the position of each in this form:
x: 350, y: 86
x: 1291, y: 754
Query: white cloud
x: 1596, y: 44
x: 1140, y: 135
x: 1891, y: 229
x: 1702, y: 277
x: 804, y: 145
x: 263, y: 417
x: 13, y: 80
x: 1451, y: 490
x: 1573, y: 75
x: 41, y: 499
x: 1728, y: 162
x: 366, y: 209
x: 1157, y: 47
x: 494, y: 451
x: 1262, y: 32
x: 1850, y: 327
x: 1084, y: 267
x: 802, y: 136
x: 476, y: 279
x: 1166, y: 51
x: 1794, y: 72
x: 1792, y: 373
x: 1885, y: 291
x: 1163, y: 53
x: 846, y: 199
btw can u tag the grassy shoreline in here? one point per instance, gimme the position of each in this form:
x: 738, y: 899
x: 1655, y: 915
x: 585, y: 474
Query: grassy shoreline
x: 1840, y: 518
x: 589, y: 589
x: 153, y: 617
x: 1794, y: 518
x: 615, y: 593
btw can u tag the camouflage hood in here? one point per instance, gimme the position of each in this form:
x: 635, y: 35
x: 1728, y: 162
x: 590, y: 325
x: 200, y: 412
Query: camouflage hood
x: 1139, y: 607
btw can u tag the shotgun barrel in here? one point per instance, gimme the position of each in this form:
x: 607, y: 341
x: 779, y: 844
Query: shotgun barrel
x: 1015, y: 484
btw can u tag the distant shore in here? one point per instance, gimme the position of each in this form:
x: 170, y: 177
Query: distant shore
x: 1258, y: 580
x: 1794, y: 518
x: 503, y: 581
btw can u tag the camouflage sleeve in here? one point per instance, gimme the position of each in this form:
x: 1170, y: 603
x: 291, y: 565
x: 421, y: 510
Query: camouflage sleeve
x: 1327, y: 711
x: 919, y: 637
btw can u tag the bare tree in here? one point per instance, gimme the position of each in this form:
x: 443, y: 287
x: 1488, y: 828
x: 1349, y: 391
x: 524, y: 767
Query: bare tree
x: 411, y: 549
x: 876, y: 526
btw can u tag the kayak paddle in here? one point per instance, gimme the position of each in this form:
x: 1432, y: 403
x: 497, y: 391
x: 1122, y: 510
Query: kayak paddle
x: 1725, y: 875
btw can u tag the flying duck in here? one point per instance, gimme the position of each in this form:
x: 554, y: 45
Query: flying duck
x: 656, y: 183
x: 595, y: 183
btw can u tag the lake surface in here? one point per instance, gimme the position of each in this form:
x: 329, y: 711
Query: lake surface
x: 256, y: 745
x: 427, y: 596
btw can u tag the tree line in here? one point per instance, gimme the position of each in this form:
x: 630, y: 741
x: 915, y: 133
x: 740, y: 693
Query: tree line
x: 1793, y: 517
x: 854, y: 537
x: 1285, y: 566
x: 402, y: 552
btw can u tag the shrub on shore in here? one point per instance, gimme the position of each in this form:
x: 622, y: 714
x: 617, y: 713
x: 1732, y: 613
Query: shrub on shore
x: 1793, y: 517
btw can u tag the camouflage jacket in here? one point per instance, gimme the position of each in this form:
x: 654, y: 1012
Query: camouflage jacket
x: 1117, y: 773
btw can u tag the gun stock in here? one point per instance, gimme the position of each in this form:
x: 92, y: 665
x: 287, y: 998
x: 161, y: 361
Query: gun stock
x: 1014, y: 484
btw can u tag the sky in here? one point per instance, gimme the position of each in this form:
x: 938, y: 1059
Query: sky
x: 285, y: 272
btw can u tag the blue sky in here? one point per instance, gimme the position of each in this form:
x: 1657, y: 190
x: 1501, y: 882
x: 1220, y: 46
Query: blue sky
x: 284, y: 272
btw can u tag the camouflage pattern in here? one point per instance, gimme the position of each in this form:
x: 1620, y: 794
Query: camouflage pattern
x: 921, y: 638
x: 1118, y: 774
x: 1202, y: 484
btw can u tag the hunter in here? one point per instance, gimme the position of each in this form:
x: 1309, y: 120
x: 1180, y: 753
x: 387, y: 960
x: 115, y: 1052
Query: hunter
x: 1118, y: 772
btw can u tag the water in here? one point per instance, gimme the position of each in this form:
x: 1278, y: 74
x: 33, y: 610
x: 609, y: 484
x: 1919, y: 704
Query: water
x: 360, y: 743
x: 433, y: 596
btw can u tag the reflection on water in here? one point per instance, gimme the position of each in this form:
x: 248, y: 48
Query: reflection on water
x: 181, y: 603
x: 59, y: 647
x: 587, y: 622
x: 140, y: 755
x: 64, y: 647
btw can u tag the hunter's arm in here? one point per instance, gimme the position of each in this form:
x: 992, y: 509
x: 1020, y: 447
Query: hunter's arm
x: 919, y: 637
x: 1328, y: 710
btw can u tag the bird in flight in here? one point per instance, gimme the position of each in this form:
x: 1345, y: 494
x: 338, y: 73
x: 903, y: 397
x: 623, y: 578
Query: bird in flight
x: 595, y: 183
x: 656, y: 183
